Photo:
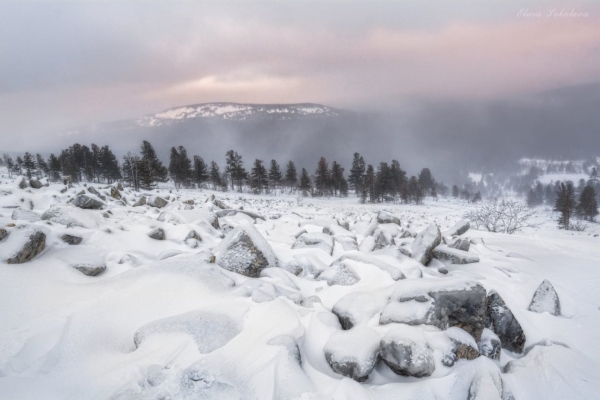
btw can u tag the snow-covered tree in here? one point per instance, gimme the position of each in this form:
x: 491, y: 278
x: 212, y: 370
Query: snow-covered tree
x: 565, y: 204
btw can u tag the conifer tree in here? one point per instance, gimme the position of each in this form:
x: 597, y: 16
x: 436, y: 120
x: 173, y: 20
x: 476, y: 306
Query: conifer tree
x: 156, y: 170
x: 275, y: 176
x: 357, y: 172
x: 108, y: 165
x: 369, y: 183
x: 426, y: 179
x: 291, y: 176
x: 305, y: 185
x: 28, y: 164
x: 415, y: 190
x: 565, y: 204
x: 259, y: 176
x: 235, y: 169
x: 322, y: 177
x: 588, y: 205
x: 42, y: 166
x: 131, y: 164
x: 455, y: 191
x: 215, y: 175
x: 337, y: 177
x: 200, y: 171
x: 10, y: 165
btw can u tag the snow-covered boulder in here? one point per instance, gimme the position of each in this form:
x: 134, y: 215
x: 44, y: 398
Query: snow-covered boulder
x: 141, y: 202
x: 489, y: 345
x: 339, y: 274
x: 545, y: 299
x: 3, y: 233
x: 335, y: 229
x: 425, y: 242
x: 367, y: 245
x: 454, y: 256
x: 157, y: 234
x: 406, y: 351
x: 114, y: 193
x: 480, y: 379
x: 23, y: 245
x: 71, y: 239
x: 458, y: 229
x: 317, y: 240
x: 156, y: 201
x: 87, y: 202
x: 384, y: 217
x: 348, y: 243
x: 442, y: 302
x: 35, y: 183
x: 461, y: 244
x: 503, y: 323
x: 71, y: 217
x: 353, y: 353
x: 382, y: 241
x: 357, y: 308
x: 245, y: 251
x: 463, y: 346
x: 209, y: 331
x: 25, y: 215
x: 395, y: 272
x: 89, y: 269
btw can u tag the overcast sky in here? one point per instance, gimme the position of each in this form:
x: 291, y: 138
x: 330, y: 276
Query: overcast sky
x: 64, y: 64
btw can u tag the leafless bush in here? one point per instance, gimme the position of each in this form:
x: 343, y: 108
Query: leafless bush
x: 507, y: 216
x: 578, y: 226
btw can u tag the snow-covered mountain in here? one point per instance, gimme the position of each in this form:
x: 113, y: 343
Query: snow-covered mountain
x: 237, y: 111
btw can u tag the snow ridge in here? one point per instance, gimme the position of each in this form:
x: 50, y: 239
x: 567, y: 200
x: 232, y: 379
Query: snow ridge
x: 236, y: 111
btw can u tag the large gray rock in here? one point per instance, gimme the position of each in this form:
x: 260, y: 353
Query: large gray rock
x: 382, y: 241
x: 87, y: 202
x: 458, y: 229
x: 353, y: 353
x: 3, y: 233
x: 317, y: 240
x: 348, y: 243
x: 425, y: 242
x: 23, y: 184
x: 115, y: 194
x: 384, y: 217
x: 93, y: 191
x: 545, y: 299
x: 395, y: 272
x: 442, y: 302
x: 503, y: 323
x: 454, y: 256
x: 157, y: 234
x: 406, y: 351
x: 25, y: 215
x: 463, y: 346
x: 339, y: 274
x: 156, y: 201
x: 34, y: 183
x: 490, y: 345
x: 70, y: 239
x: 461, y: 244
x: 245, y: 251
x: 141, y: 202
x: 28, y: 243
x: 90, y: 269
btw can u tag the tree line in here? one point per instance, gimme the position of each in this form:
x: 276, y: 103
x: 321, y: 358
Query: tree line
x: 144, y: 171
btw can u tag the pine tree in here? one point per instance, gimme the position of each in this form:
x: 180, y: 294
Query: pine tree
x: 426, y: 179
x: 145, y: 177
x: 565, y: 204
x: 200, y: 171
x: 357, y: 172
x: 260, y: 178
x: 180, y: 167
x: 398, y: 178
x: 291, y: 176
x: 322, y: 177
x: 10, y: 165
x: 594, y: 177
x: 531, y: 198
x: 305, y: 185
x: 476, y: 198
x: 415, y: 190
x: 337, y: 177
x: 588, y: 206
x: 455, y: 191
x: 157, y: 172
x: 42, y: 166
x: 369, y: 183
x: 235, y: 169
x: 28, y: 164
x: 108, y: 165
x: 275, y: 176
x: 215, y: 175
x: 131, y: 164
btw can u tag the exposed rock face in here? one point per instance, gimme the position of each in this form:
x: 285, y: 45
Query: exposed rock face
x: 384, y: 217
x: 461, y: 244
x: 156, y: 201
x: 454, y: 256
x: 463, y: 346
x: 545, y: 299
x: 194, y: 235
x: 490, y: 345
x: 114, y: 193
x: 339, y: 274
x: 245, y: 251
x: 406, y: 351
x: 220, y: 204
x: 70, y: 239
x: 23, y: 184
x: 158, y: 234
x: 34, y: 241
x: 319, y: 240
x: 382, y: 241
x: 3, y: 233
x: 93, y: 191
x: 90, y: 270
x: 503, y: 323
x: 34, y: 183
x: 440, y: 302
x: 358, y: 308
x: 424, y: 244
x: 353, y: 353
x: 140, y: 202
x: 87, y: 202
x: 458, y: 229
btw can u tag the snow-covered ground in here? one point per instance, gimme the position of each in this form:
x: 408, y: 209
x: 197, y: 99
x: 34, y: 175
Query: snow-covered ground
x: 165, y: 320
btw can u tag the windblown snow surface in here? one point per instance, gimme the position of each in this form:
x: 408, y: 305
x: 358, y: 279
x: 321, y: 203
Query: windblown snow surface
x: 163, y: 322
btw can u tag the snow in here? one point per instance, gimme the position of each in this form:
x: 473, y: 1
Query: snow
x: 162, y: 321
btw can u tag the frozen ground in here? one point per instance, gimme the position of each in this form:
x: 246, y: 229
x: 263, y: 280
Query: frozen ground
x: 164, y: 322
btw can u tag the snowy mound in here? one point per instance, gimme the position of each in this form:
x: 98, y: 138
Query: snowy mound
x: 188, y: 294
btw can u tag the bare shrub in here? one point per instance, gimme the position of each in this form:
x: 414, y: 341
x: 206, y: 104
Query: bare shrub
x: 506, y: 216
